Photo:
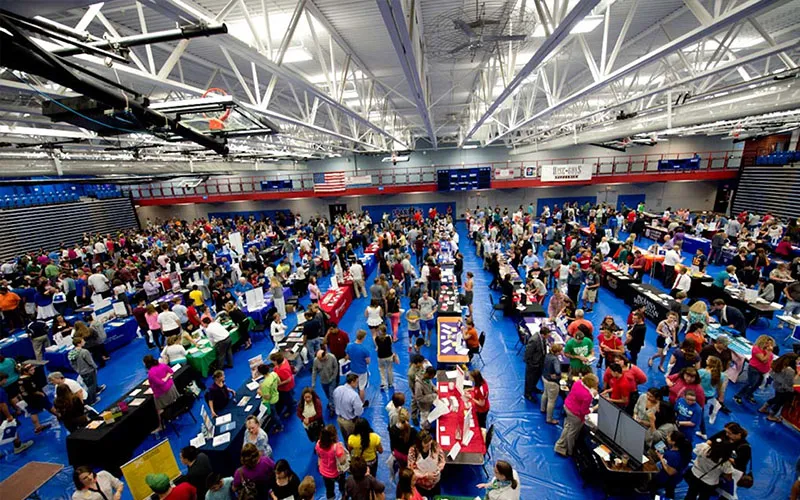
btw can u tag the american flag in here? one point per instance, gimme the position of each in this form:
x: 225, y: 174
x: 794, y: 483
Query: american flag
x: 329, y: 182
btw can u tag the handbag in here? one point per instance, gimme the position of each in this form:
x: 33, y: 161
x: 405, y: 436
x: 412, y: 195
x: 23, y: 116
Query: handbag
x: 343, y: 462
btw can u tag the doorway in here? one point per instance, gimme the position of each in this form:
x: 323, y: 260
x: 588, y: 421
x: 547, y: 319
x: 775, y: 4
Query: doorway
x: 337, y: 209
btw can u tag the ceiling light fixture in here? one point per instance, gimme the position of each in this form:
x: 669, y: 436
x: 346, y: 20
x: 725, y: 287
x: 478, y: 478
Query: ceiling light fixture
x: 587, y: 24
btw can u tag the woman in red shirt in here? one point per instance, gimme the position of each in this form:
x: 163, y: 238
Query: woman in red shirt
x: 760, y: 364
x: 286, y: 385
x: 479, y: 396
x: 686, y: 380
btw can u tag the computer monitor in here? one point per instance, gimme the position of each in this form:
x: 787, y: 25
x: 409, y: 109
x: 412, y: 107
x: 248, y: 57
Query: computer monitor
x: 630, y: 437
x: 607, y: 418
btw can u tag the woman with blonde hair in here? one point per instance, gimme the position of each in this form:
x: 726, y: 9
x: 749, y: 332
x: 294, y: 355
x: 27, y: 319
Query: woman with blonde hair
x: 760, y: 365
x: 174, y: 352
x: 698, y: 313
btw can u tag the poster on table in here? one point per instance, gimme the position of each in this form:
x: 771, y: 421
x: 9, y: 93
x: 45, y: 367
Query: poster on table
x: 567, y: 173
x: 254, y: 299
x: 254, y: 364
x: 158, y: 459
x: 235, y: 240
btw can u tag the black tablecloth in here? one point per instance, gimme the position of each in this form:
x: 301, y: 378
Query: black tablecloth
x: 110, y: 446
x: 272, y: 253
x: 448, y: 301
x: 654, y: 309
x: 619, y: 283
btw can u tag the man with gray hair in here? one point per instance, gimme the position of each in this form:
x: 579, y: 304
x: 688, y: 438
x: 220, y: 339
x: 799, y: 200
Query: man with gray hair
x: 58, y: 378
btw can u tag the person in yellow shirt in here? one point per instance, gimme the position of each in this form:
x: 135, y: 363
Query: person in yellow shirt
x: 196, y: 295
x: 355, y: 442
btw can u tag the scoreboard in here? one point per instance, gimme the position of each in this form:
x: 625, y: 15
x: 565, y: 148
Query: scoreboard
x: 464, y: 179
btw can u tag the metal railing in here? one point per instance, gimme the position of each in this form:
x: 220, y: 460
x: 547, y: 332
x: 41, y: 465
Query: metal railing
x: 426, y: 175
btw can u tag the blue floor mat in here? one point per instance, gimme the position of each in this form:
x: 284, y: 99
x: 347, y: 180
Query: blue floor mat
x: 522, y: 437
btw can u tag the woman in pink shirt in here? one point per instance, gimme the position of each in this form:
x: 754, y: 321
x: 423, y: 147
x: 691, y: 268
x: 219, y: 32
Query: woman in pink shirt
x: 151, y: 316
x: 160, y: 377
x: 760, y: 364
x: 330, y: 453
x: 686, y: 380
x: 577, y: 405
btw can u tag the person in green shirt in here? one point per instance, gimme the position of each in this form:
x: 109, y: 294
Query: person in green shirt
x: 52, y: 271
x: 579, y: 350
x: 268, y: 389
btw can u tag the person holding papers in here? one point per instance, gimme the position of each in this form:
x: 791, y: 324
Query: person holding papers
x: 426, y: 458
x: 479, y: 395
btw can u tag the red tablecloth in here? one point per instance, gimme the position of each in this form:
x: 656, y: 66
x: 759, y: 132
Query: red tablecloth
x: 608, y: 266
x: 372, y: 248
x: 165, y: 282
x: 791, y: 411
x: 336, y: 302
x: 446, y: 425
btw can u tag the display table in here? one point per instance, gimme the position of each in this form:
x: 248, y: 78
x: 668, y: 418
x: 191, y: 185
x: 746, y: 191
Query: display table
x: 448, y: 301
x: 17, y: 346
x: 692, y: 243
x: 292, y: 343
x: 450, y: 340
x: 225, y: 458
x: 734, y: 297
x: 654, y: 233
x: 119, y: 334
x: 272, y: 253
x: 450, y: 425
x: 649, y: 258
x: 369, y: 263
x: 336, y: 302
x: 656, y: 302
x: 201, y: 357
x: 741, y: 349
x: 111, y: 445
x: 371, y: 248
x: 618, y: 282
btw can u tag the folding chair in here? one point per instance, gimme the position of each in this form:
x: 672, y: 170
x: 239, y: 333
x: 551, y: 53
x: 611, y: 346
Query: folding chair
x: 522, y: 338
x: 481, y: 340
x: 495, y: 307
x: 487, y: 457
x: 181, y: 406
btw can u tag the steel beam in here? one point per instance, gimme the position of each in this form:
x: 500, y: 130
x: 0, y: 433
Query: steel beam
x: 177, y: 8
x: 560, y: 32
x: 395, y: 21
x: 738, y: 14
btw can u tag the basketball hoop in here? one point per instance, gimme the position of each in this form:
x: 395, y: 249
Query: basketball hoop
x: 216, y: 121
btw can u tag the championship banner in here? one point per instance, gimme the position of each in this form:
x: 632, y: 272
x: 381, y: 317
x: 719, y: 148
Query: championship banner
x: 504, y: 173
x: 359, y: 180
x: 567, y: 173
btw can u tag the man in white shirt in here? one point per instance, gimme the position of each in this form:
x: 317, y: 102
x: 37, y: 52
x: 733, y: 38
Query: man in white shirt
x: 220, y: 338
x: 671, y: 258
x: 682, y: 283
x: 99, y: 251
x: 357, y: 273
x: 99, y: 282
x: 57, y: 378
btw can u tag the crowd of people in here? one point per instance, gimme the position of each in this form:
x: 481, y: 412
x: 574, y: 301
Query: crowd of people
x: 559, y: 267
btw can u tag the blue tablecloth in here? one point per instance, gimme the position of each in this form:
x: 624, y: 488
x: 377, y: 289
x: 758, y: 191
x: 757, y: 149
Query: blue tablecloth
x: 117, y: 337
x: 17, y: 346
x: 223, y: 258
x: 692, y: 243
x: 370, y: 263
x: 258, y: 314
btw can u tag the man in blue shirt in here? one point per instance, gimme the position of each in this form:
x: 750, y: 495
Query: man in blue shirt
x: 689, y: 414
x: 242, y: 287
x: 348, y: 405
x: 359, y: 358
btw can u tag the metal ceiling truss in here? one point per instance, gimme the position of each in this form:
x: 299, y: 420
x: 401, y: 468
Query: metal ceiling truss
x: 685, y: 64
x: 342, y: 119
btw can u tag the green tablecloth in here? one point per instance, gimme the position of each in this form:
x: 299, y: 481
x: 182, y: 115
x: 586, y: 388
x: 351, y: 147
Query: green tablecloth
x: 202, y: 359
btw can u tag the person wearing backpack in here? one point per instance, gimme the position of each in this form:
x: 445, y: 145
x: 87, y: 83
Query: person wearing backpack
x: 333, y: 461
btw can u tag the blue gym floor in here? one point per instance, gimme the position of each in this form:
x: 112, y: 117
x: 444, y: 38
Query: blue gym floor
x: 522, y: 437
